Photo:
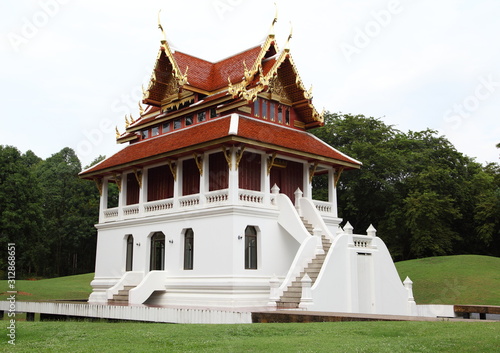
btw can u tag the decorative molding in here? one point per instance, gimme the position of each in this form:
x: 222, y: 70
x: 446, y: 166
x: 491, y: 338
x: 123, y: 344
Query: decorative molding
x: 98, y: 184
x: 239, y: 155
x: 199, y: 162
x: 173, y: 169
x: 227, y: 154
x: 312, y: 171
x: 118, y: 181
x: 138, y: 177
x: 336, y: 176
x: 270, y: 162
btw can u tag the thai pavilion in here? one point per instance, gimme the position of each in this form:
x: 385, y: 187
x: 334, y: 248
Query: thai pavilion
x: 215, y: 205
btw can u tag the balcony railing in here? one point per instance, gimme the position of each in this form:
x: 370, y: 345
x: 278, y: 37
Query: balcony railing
x: 199, y: 201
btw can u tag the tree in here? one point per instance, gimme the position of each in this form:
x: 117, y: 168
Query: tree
x: 70, y: 210
x: 415, y: 187
x: 21, y: 217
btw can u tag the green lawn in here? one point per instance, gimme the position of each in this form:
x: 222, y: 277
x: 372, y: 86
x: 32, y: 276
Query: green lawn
x: 313, y: 337
x: 62, y: 288
x: 461, y: 279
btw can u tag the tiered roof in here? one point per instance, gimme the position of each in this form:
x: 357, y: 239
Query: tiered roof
x: 182, y: 84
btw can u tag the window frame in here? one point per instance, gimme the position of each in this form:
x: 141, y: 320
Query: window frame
x: 188, y: 251
x: 251, y: 248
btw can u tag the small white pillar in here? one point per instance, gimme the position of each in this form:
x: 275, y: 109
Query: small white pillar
x: 348, y: 228
x: 371, y: 231
x: 274, y: 285
x: 298, y: 195
x: 275, y: 190
x: 306, y: 300
x: 319, y: 241
x: 412, y: 306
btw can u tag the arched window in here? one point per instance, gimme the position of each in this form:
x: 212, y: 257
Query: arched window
x: 250, y: 248
x: 157, y: 252
x: 129, y: 258
x: 188, y: 249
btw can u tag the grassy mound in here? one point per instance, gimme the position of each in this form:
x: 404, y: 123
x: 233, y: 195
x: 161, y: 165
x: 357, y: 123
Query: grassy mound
x: 61, y: 288
x: 460, y: 279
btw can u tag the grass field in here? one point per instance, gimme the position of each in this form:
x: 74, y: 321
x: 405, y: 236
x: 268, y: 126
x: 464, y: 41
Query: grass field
x: 63, y: 288
x: 461, y: 279
x: 313, y: 337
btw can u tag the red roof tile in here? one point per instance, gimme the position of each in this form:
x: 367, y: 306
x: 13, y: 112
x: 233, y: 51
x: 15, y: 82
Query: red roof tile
x: 248, y: 129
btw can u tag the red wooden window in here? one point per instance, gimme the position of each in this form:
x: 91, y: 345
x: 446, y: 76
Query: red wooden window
x: 249, y: 171
x: 190, y: 178
x: 288, y: 178
x: 160, y: 183
x: 218, y: 172
x: 132, y: 189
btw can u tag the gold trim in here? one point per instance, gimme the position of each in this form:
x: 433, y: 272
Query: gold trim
x: 98, y: 184
x: 138, y: 177
x: 312, y: 171
x: 336, y: 176
x: 227, y: 154
x: 118, y: 181
x: 239, y: 155
x: 199, y: 162
x: 270, y: 162
x: 173, y: 169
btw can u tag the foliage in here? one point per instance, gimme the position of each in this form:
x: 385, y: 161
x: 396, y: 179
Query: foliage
x: 459, y: 279
x: 424, y: 197
x: 297, y: 337
x: 48, y: 212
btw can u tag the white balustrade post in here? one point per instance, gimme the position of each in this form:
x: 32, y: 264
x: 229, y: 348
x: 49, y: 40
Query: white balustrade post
x: 412, y: 306
x: 319, y: 241
x: 306, y: 300
x: 274, y: 285
x: 275, y: 192
x: 298, y: 195
x: 371, y: 231
x: 348, y: 228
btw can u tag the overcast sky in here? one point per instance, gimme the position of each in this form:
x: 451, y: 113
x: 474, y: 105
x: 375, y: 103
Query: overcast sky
x: 71, y: 69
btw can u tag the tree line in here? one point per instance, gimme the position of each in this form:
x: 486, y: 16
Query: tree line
x: 48, y: 212
x: 424, y: 197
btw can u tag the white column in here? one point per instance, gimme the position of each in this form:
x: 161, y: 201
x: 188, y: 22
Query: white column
x: 265, y: 180
x: 307, y: 187
x: 204, y: 178
x: 332, y: 191
x: 178, y: 184
x: 122, y: 196
x: 143, y: 191
x: 103, y: 202
x: 234, y: 181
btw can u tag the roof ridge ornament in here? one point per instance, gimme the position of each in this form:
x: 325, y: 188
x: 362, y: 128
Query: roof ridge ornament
x: 287, y: 44
x: 271, y: 30
x: 160, y: 27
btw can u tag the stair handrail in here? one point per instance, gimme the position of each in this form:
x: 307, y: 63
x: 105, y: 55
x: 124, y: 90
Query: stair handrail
x: 305, y: 254
x: 154, y: 280
x: 309, y: 211
x: 290, y: 220
x: 130, y: 278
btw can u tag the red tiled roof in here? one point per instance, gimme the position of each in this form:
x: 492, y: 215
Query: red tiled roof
x: 268, y: 134
x: 213, y: 76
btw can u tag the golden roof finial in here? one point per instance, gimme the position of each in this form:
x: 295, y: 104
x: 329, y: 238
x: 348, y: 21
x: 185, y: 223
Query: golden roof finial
x: 287, y: 45
x: 160, y: 27
x: 141, y: 108
x: 271, y: 31
x: 117, y: 132
x: 127, y: 122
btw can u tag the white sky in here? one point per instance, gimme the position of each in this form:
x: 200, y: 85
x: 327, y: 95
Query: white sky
x: 71, y: 69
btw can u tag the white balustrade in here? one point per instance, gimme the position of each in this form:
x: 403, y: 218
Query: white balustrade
x: 217, y: 196
x: 111, y: 213
x: 189, y: 201
x: 131, y: 210
x: 323, y: 207
x: 251, y: 196
x: 158, y: 206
